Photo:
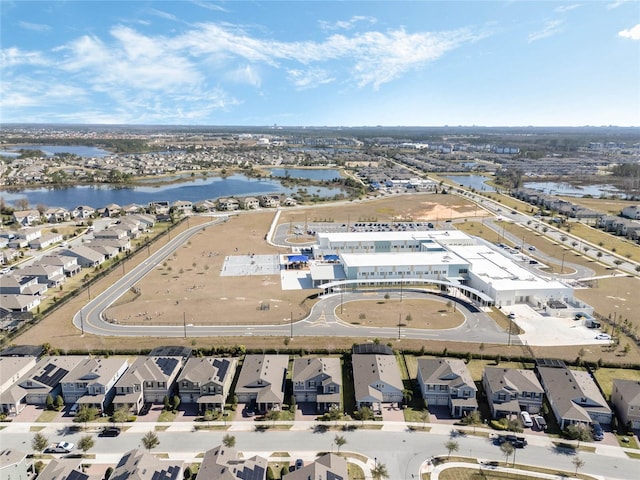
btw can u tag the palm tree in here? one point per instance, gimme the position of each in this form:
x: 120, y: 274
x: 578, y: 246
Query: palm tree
x: 379, y: 472
x: 150, y: 440
x: 451, y: 446
x: 339, y: 441
x: 229, y: 441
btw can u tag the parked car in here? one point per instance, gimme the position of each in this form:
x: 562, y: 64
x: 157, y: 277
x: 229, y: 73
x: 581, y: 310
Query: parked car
x: 145, y: 409
x: 299, y: 464
x: 62, y: 447
x: 526, y: 419
x: 517, y: 442
x: 540, y: 422
x: 109, y: 432
x: 603, y: 336
x: 598, y: 433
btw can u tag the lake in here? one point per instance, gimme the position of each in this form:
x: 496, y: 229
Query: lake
x: 318, y: 174
x: 51, y: 150
x: 97, y: 196
x: 472, y: 181
x: 564, y: 188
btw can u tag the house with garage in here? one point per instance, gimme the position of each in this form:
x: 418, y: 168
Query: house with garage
x: 49, y: 275
x: 86, y: 257
x: 92, y: 382
x: 15, y: 464
x: 318, y: 380
x: 69, y: 265
x: 249, y: 203
x: 46, y: 241
x: 625, y: 397
x: 57, y: 214
x: 511, y: 391
x: 447, y: 382
x: 225, y: 463
x: 22, y: 238
x: 17, y: 284
x: 228, y: 204
x: 262, y: 380
x: 26, y: 218
x: 83, y: 212
x: 573, y: 396
x: 111, y: 210
x: 149, y: 379
x: 63, y: 469
x: 140, y: 465
x: 11, y: 369
x: 328, y: 466
x: 376, y: 380
x: 206, y: 381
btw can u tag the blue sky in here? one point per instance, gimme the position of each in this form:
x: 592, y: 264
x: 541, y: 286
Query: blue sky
x: 350, y: 63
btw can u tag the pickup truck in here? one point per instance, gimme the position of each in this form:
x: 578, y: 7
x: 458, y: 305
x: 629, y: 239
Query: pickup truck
x: 62, y: 447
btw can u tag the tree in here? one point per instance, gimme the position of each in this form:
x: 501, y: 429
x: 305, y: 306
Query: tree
x: 150, y: 440
x: 49, y: 402
x: 424, y: 416
x: 39, y: 442
x: 188, y: 474
x: 176, y: 402
x: 86, y: 443
x: 579, y: 432
x: 578, y: 463
x: 166, y: 402
x: 229, y: 441
x: 407, y: 395
x: 107, y: 473
x: 365, y: 413
x: 507, y: 449
x: 379, y: 472
x: 272, y: 415
x: 451, y: 446
x: 86, y: 414
x: 208, y: 416
x: 472, y: 418
x: 120, y: 415
x: 340, y: 441
x: 59, y: 402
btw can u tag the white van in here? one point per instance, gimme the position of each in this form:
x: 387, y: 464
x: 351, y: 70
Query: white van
x: 526, y: 419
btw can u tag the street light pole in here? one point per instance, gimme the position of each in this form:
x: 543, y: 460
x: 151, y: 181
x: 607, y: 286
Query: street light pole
x: 399, y: 320
x: 291, y: 323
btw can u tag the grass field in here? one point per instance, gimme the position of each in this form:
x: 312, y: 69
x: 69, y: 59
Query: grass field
x: 605, y: 377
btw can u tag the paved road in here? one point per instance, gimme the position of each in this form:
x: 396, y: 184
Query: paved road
x: 402, y: 451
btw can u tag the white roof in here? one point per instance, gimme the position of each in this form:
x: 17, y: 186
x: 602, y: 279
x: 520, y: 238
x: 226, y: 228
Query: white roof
x: 438, y: 235
x: 401, y: 259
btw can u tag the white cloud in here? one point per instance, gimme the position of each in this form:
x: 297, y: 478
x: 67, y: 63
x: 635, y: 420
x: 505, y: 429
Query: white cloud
x: 552, y: 27
x: 36, y: 27
x: 247, y: 74
x: 632, y: 33
x: 12, y: 57
x: 566, y: 8
x: 347, y: 24
x: 305, y: 79
x: 616, y: 4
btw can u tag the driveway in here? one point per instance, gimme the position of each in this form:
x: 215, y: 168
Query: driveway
x: 392, y: 413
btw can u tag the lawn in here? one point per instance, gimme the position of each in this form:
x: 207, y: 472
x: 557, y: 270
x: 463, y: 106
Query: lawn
x: 605, y: 377
x: 460, y: 473
x: 47, y: 416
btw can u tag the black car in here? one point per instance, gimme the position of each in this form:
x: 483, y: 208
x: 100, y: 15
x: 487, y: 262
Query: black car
x: 517, y: 442
x: 109, y: 432
x: 145, y: 409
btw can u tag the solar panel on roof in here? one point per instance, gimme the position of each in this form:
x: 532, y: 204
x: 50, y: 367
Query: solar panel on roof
x: 333, y: 476
x: 167, y: 365
x: 75, y: 475
x: 248, y: 474
x: 52, y: 375
x: 222, y: 365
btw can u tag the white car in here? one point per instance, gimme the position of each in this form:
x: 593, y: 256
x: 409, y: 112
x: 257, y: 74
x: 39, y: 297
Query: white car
x: 603, y: 336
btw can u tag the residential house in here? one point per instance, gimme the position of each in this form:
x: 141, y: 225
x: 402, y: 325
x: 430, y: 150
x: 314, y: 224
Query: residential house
x: 447, y: 382
x: 22, y: 238
x: 49, y: 275
x: 92, y: 382
x: 86, y: 257
x: 69, y: 265
x: 376, y: 380
x: 111, y: 233
x: 289, y: 202
x: 110, y: 247
x: 632, y: 212
x: 573, y: 396
x: 625, y: 397
x: 17, y: 284
x: 148, y: 380
x: 606, y: 221
x: 262, y: 381
x: 146, y: 221
x: 57, y: 215
x: 318, y: 380
x: 8, y: 255
x: 510, y: 391
x: 206, y: 382
x: 111, y: 210
x: 249, y: 203
x: 326, y: 467
x: 224, y: 463
x: 63, y: 469
x: 45, y: 241
x: 83, y: 212
x: 36, y: 385
x: 159, y: 208
x: 182, y: 207
x: 133, y: 208
x: 15, y: 465
x: 19, y: 303
x: 26, y: 218
x: 269, y: 201
x: 204, y: 206
x: 136, y: 465
x: 11, y: 369
x: 228, y: 204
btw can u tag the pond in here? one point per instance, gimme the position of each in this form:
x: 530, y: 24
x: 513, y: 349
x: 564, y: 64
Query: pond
x: 476, y: 182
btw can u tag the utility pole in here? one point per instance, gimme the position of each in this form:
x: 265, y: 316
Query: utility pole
x: 184, y: 323
x: 291, y: 323
x: 81, y: 323
x: 399, y: 323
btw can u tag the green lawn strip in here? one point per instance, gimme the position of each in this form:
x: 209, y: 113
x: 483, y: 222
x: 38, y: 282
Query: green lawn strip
x: 354, y: 471
x: 461, y: 473
x: 570, y: 446
x: 36, y: 429
x: 633, y: 455
x: 280, y: 454
x: 161, y: 428
x: 210, y: 427
x: 605, y: 377
x: 47, y: 416
x: 631, y: 441
x: 167, y: 416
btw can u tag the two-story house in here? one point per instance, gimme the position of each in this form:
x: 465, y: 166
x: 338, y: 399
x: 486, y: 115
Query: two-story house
x: 262, y: 381
x: 11, y: 369
x: 92, y: 382
x: 573, y: 396
x: 26, y: 218
x: 225, y: 463
x: 206, y: 382
x: 625, y: 397
x: 140, y: 465
x: 510, y: 391
x: 318, y: 380
x: 49, y: 275
x: 329, y: 466
x: 69, y: 265
x: 85, y: 256
x: 376, y: 380
x: 57, y: 214
x: 447, y: 382
x: 148, y: 380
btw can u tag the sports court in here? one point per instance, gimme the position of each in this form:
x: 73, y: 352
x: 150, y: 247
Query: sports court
x: 250, y: 264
